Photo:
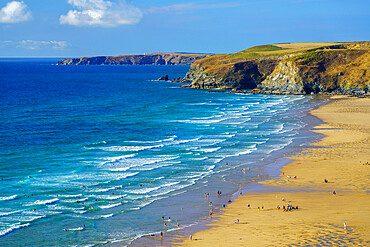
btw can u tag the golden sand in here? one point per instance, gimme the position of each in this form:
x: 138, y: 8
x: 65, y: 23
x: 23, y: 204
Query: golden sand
x: 340, y: 158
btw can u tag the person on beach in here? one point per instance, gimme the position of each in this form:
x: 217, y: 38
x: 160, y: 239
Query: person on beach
x: 161, y: 235
x: 325, y: 180
x: 334, y: 193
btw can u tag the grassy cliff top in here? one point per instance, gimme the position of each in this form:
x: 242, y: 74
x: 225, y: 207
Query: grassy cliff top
x: 221, y: 64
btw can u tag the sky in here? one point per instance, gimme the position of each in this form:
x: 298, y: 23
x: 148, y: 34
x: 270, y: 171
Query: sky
x: 74, y: 28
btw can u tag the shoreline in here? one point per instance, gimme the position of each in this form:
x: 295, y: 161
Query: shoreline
x: 314, y: 222
x: 269, y: 168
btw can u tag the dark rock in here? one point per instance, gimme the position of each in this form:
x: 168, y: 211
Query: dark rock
x: 163, y: 78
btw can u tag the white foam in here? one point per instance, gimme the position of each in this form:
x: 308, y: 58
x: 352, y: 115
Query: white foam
x: 127, y: 175
x: 110, y: 206
x: 9, y: 213
x: 119, y: 158
x: 80, y: 211
x: 159, y: 141
x: 209, y: 150
x: 83, y: 199
x: 12, y: 228
x: 71, y: 196
x: 113, y: 197
x: 121, y: 169
x: 211, y: 142
x: 205, y: 121
x: 204, y: 158
x: 105, y: 189
x: 107, y: 216
x: 8, y: 198
x: 44, y: 202
x: 139, y: 162
x: 98, y: 143
x: 218, y: 160
x: 76, y: 229
x: 144, y: 190
x: 184, y: 141
x: 130, y: 148
x: 248, y: 151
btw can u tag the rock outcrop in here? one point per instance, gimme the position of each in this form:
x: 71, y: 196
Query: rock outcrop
x: 163, y: 78
x: 240, y: 75
x: 166, y: 78
x: 288, y: 68
x: 149, y: 59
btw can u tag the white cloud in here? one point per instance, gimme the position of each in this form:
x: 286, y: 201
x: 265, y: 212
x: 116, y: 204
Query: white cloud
x: 101, y: 13
x: 35, y: 45
x: 14, y: 12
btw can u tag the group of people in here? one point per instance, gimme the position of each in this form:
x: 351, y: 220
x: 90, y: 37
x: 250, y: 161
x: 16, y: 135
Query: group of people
x: 288, y: 208
x: 165, y: 225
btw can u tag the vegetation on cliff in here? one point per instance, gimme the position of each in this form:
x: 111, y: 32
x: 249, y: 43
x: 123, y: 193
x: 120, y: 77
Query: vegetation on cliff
x: 290, y: 67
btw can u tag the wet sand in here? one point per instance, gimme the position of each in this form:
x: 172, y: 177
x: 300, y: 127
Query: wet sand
x: 323, y: 217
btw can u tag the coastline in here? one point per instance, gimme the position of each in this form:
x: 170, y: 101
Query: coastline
x: 267, y: 167
x: 339, y: 158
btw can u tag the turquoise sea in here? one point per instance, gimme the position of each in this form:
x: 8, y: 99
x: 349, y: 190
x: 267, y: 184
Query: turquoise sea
x: 108, y: 148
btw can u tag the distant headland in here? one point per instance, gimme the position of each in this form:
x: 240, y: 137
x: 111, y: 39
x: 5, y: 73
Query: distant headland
x: 160, y: 58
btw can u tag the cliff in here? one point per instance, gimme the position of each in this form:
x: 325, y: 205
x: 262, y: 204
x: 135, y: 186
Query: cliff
x: 301, y: 68
x: 149, y: 59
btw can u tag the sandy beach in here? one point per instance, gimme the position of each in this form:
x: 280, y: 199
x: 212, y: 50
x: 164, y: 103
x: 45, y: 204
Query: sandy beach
x: 329, y: 182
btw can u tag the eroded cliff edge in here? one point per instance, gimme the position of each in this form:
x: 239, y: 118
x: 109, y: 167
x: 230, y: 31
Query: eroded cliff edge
x: 302, y: 68
x: 161, y: 58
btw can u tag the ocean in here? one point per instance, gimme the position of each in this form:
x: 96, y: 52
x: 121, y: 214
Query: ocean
x: 93, y: 155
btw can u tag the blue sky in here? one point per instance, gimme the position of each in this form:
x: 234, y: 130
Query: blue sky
x: 72, y: 28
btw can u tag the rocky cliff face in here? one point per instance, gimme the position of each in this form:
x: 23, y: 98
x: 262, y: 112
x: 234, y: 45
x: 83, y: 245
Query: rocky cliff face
x: 240, y: 75
x: 332, y: 68
x: 149, y: 59
x: 338, y: 71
